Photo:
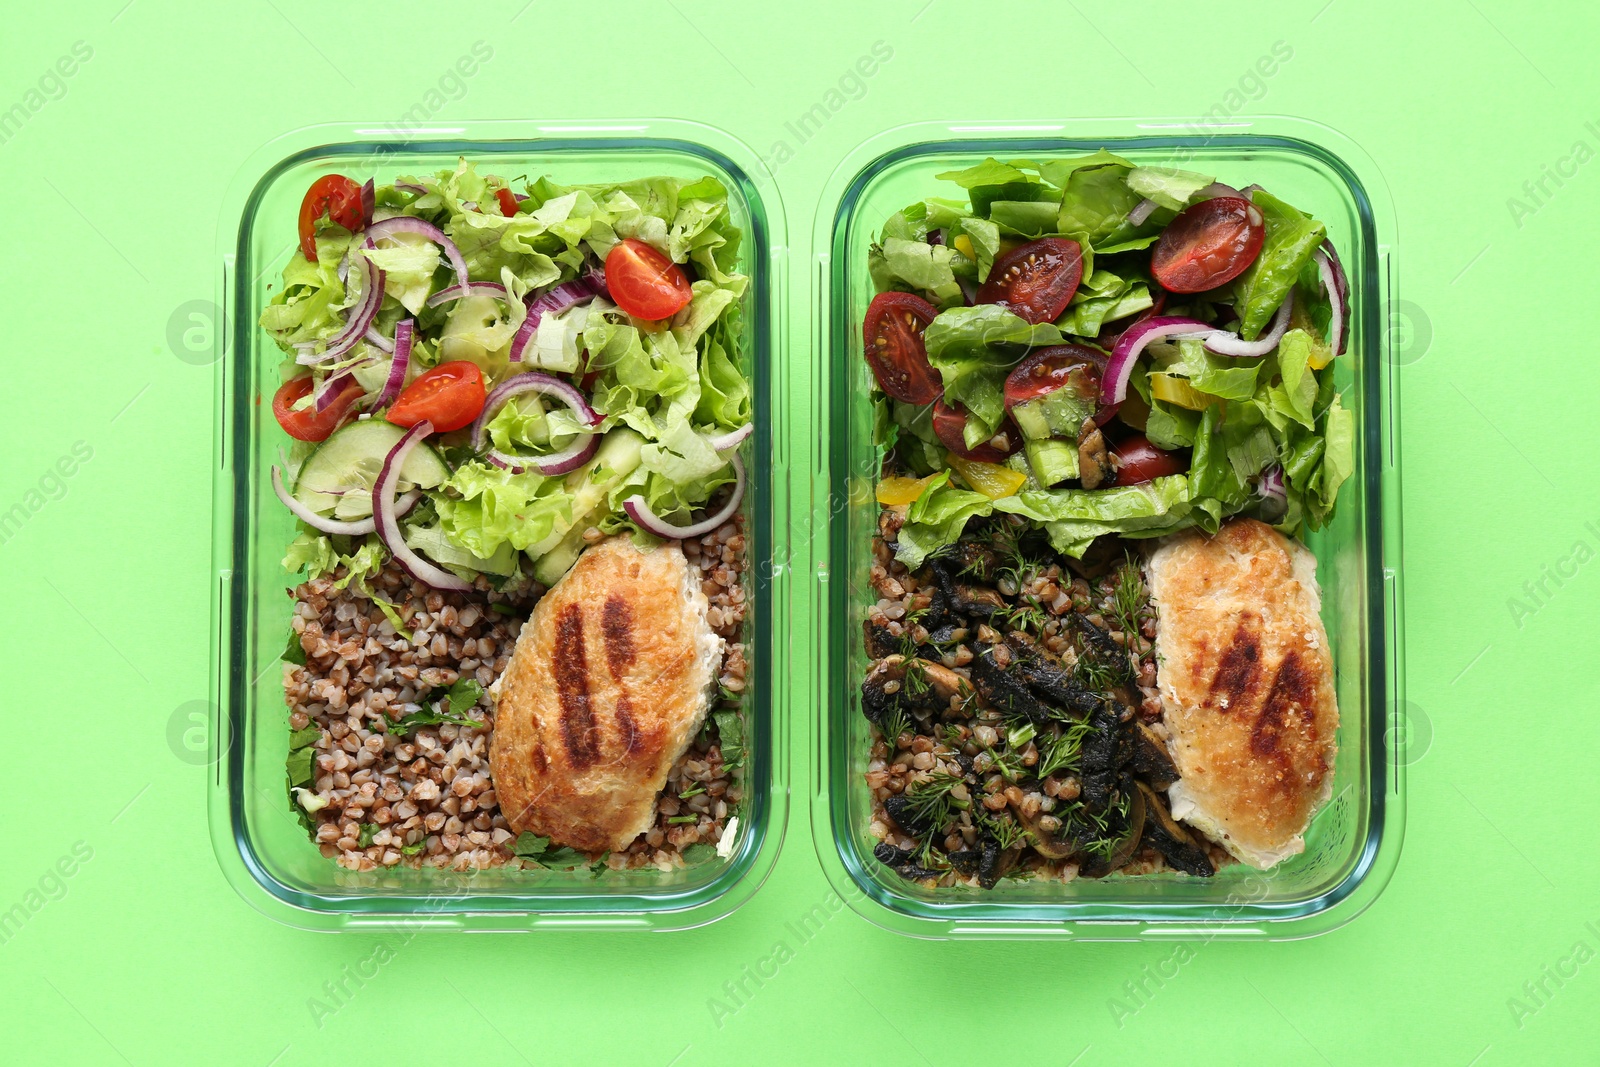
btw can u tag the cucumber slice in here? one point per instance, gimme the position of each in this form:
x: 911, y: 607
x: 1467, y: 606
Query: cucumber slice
x: 1053, y: 460
x: 337, y: 478
x: 1060, y: 411
x: 619, y: 453
x: 559, y: 560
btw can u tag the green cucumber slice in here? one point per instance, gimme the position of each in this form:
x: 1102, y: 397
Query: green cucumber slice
x: 337, y: 478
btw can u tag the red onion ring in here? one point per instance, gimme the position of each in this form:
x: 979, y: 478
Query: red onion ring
x: 369, y: 202
x: 409, y: 224
x: 330, y: 390
x: 1214, y: 190
x: 357, y: 323
x: 456, y: 292
x: 387, y: 520
x: 404, y: 333
x: 594, y: 276
x: 1119, y: 369
x: 647, y: 520
x: 412, y: 187
x: 732, y: 439
x: 1225, y: 343
x: 1272, y: 483
x: 1141, y: 211
x: 357, y: 528
x: 551, y: 302
x: 1338, y: 289
x: 378, y: 340
x: 565, y: 461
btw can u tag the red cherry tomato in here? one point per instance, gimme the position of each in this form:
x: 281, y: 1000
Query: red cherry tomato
x: 308, y: 424
x: 1048, y: 369
x: 950, y: 426
x: 1208, y: 244
x: 1036, y: 280
x: 450, y: 396
x: 508, y: 202
x: 893, y: 332
x: 1137, y: 460
x: 340, y: 199
x: 645, y: 283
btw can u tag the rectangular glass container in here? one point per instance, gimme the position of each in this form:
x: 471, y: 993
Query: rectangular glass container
x: 263, y: 851
x: 1353, y: 843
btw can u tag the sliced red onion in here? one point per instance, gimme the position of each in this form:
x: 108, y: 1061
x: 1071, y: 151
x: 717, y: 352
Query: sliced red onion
x: 520, y: 197
x: 358, y: 321
x: 1119, y: 369
x: 1214, y: 190
x: 369, y: 202
x: 378, y: 340
x: 551, y: 302
x: 456, y: 292
x: 1224, y: 343
x: 640, y: 512
x: 594, y: 276
x: 1249, y: 192
x: 409, y: 224
x: 565, y: 461
x: 1338, y: 288
x: 470, y: 205
x: 732, y: 439
x: 1141, y: 211
x: 1272, y: 483
x: 343, y: 270
x: 387, y: 519
x: 335, y: 526
x: 330, y: 390
x: 935, y: 237
x: 969, y: 290
x: 412, y: 187
x: 404, y: 333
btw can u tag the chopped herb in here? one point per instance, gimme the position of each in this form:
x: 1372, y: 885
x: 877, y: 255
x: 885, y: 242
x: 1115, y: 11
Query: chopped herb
x: 563, y: 859
x: 1006, y: 832
x: 699, y: 852
x: 929, y: 802
x: 535, y: 849
x: 1059, y: 751
x: 529, y: 845
x: 412, y: 850
x: 730, y: 729
x: 459, y: 698
x: 294, y: 653
x: 302, y: 749
x: 696, y: 791
x: 369, y: 830
x: 683, y: 820
x: 896, y: 724
x: 503, y: 608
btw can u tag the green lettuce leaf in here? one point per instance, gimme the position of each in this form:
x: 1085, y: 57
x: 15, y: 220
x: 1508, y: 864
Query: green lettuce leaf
x: 1290, y: 240
x: 973, y: 348
x: 936, y: 518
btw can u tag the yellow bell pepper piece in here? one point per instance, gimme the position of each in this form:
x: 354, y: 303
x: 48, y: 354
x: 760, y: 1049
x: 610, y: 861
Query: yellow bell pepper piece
x: 1175, y: 390
x: 990, y: 479
x: 1321, y: 355
x: 897, y: 492
x: 963, y: 244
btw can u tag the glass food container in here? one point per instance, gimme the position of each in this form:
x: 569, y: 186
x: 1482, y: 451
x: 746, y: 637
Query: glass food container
x: 263, y: 851
x: 1353, y: 843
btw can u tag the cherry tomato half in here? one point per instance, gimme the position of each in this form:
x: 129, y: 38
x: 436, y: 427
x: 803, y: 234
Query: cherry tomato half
x: 893, y: 332
x: 1137, y: 460
x: 1036, y: 280
x: 308, y: 424
x: 645, y: 283
x: 340, y: 199
x: 1048, y: 369
x: 1208, y: 244
x: 450, y: 396
x: 950, y: 426
x: 508, y: 202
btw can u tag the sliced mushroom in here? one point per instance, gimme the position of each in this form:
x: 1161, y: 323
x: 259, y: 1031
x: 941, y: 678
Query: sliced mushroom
x: 1006, y: 692
x: 1169, y: 837
x: 1048, y: 843
x: 1048, y: 677
x: 879, y: 641
x: 1094, y: 458
x: 886, y: 688
x: 976, y: 601
x: 1151, y: 761
x: 977, y: 560
x: 1100, y: 762
x: 1137, y: 812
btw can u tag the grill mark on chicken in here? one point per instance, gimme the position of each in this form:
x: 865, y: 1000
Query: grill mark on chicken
x: 1239, y: 669
x: 616, y: 626
x: 1293, y: 687
x: 579, y: 733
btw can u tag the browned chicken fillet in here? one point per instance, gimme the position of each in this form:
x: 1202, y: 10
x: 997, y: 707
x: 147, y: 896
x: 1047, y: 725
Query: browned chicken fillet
x: 609, y: 683
x: 1246, y: 682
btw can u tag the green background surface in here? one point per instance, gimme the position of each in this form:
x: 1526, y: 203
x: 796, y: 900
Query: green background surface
x: 113, y: 186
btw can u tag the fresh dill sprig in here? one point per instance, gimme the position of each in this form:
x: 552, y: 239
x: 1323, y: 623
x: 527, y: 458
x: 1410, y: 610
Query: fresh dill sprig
x: 895, y: 724
x: 1060, y: 751
x: 930, y: 802
x: 915, y: 678
x: 1006, y: 832
x: 1129, y: 600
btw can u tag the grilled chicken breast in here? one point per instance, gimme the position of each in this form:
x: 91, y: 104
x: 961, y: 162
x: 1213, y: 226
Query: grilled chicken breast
x: 607, y: 686
x: 1246, y: 682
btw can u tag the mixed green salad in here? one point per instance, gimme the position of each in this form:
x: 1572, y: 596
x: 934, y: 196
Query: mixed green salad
x: 1106, y: 348
x: 476, y: 375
